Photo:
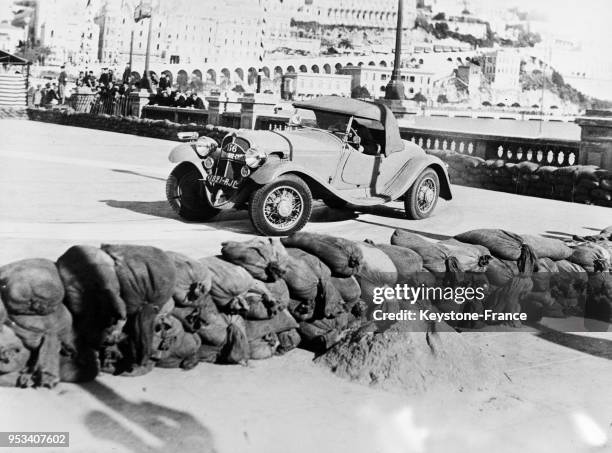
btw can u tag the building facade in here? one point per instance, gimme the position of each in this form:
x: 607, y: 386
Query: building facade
x: 357, y: 13
x: 306, y: 85
x: 376, y: 78
x: 502, y: 68
x: 69, y: 29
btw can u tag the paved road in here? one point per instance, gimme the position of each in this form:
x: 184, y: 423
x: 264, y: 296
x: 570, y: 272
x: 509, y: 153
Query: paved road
x: 63, y: 185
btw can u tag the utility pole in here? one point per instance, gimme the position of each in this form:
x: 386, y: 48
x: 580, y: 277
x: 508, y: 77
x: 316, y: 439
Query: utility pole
x: 147, y: 74
x: 395, y: 87
x: 131, y: 48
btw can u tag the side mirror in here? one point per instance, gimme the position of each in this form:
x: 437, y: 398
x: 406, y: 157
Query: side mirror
x: 187, y: 136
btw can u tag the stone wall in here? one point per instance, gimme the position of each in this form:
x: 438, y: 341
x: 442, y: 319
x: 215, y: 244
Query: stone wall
x: 162, y: 129
x: 587, y: 184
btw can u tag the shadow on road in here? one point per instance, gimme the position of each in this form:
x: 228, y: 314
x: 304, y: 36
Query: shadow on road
x: 434, y: 236
x: 175, y: 430
x: 232, y: 220
x: 598, y: 347
x: 135, y: 173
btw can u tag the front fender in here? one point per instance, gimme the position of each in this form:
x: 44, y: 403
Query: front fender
x: 406, y: 176
x: 184, y: 153
x: 273, y: 170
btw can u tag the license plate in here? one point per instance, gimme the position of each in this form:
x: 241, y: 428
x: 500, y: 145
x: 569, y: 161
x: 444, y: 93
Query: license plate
x: 222, y: 181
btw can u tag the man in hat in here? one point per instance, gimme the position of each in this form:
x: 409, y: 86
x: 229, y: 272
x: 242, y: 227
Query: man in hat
x: 62, y: 80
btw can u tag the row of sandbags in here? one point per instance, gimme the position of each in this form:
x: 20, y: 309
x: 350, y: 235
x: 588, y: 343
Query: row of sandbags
x: 124, y: 309
x: 579, y: 183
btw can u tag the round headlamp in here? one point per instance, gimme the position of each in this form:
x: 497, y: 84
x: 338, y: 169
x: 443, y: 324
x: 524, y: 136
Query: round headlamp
x: 245, y: 171
x: 205, y: 145
x: 209, y: 162
x: 254, y: 157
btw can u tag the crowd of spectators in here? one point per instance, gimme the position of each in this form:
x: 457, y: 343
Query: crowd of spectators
x: 175, y: 98
x: 110, y: 90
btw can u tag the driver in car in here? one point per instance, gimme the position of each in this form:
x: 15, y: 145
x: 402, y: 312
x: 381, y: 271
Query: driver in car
x: 363, y: 140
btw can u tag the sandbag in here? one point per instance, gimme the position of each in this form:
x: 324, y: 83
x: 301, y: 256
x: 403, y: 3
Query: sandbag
x: 501, y: 243
x: 599, y: 294
x: 471, y: 257
x: 281, y: 322
x: 302, y: 310
x: 263, y: 348
x: 434, y: 256
x: 92, y: 295
x: 342, y: 256
x: 376, y: 266
x: 14, y: 355
x: 173, y: 347
x: 229, y: 284
x: 236, y: 349
x: 31, y: 287
x: 348, y: 288
x: 146, y: 275
x: 264, y: 258
x: 193, y: 280
x: 45, y: 336
x: 288, y: 340
x: 328, y: 301
x: 542, y: 303
x: 320, y: 269
x: 407, y: 262
x: 301, y: 280
x: 318, y: 336
x: 280, y: 292
x: 407, y: 239
x: 542, y: 277
x: 506, y: 299
x: 547, y: 247
x: 586, y: 254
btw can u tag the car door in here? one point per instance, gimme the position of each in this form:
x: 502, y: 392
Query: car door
x: 359, y: 169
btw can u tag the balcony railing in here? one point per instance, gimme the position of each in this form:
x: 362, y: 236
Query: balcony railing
x: 543, y: 151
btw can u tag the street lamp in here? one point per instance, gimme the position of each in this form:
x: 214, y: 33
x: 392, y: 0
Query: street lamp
x: 395, y: 87
x: 144, y: 11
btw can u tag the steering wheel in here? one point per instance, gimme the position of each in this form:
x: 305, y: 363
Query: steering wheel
x: 354, y: 139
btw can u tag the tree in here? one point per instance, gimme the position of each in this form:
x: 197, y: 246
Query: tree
x: 439, y: 16
x: 360, y: 92
x: 345, y: 43
x: 419, y: 97
x: 442, y: 99
x: 36, y: 53
x: 557, y: 79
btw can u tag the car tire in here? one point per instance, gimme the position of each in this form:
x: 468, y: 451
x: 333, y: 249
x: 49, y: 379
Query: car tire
x: 184, y: 192
x: 281, y: 207
x: 421, y: 199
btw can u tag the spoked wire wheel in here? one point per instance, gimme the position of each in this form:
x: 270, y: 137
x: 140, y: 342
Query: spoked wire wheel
x: 281, y: 207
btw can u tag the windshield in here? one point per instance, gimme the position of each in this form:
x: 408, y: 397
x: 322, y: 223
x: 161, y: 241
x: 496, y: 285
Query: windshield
x: 329, y: 121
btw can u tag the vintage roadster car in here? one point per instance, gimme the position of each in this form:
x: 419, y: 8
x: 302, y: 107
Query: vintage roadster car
x: 343, y: 151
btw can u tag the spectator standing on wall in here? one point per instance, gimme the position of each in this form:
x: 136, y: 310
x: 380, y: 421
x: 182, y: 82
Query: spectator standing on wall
x: 62, y: 80
x: 37, y: 96
x: 103, y: 80
x: 196, y: 101
x: 163, y: 82
x: 127, y: 74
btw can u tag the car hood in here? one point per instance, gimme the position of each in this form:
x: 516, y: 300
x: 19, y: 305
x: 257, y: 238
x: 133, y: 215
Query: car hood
x: 294, y: 140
